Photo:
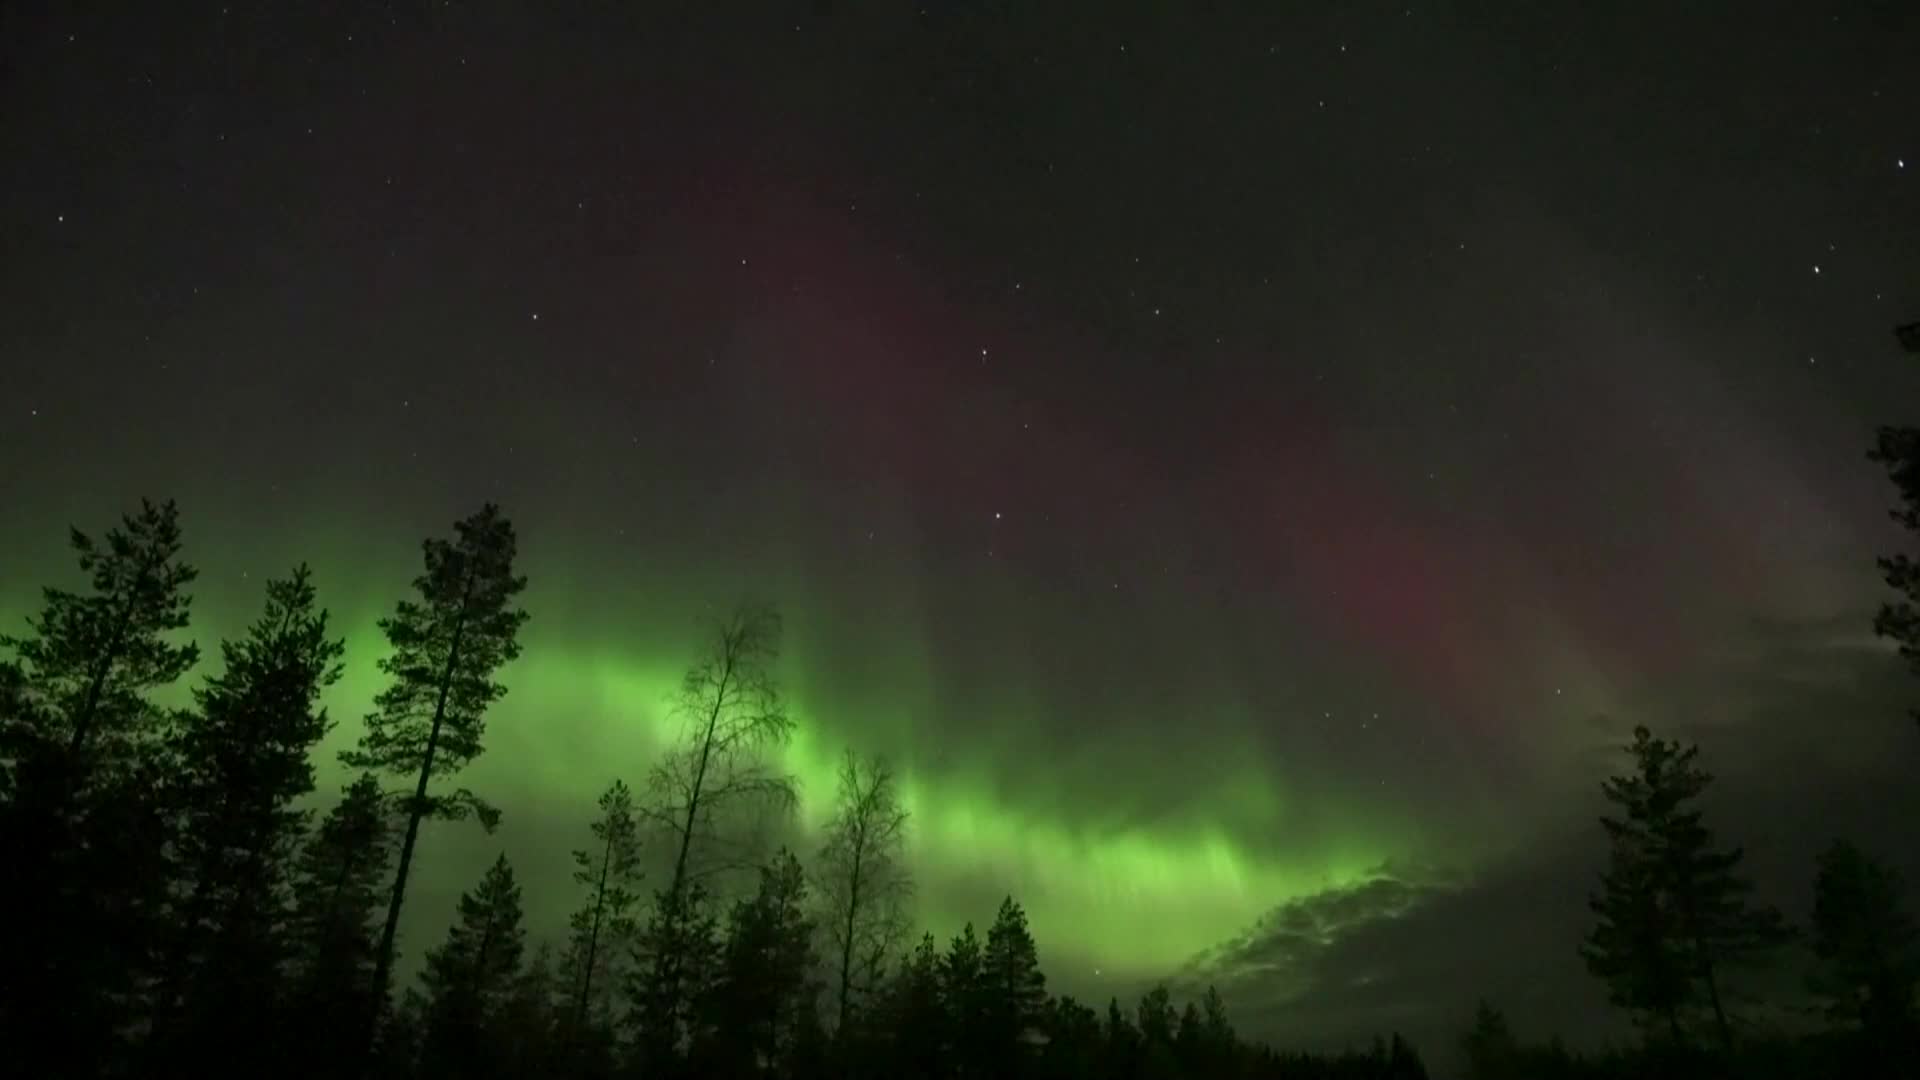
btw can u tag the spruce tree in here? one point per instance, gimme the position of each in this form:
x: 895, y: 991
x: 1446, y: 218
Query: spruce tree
x: 1491, y: 1051
x: 963, y: 991
x: 916, y: 1022
x: 1866, y: 942
x: 334, y: 930
x: 470, y: 978
x: 1120, y: 1042
x: 529, y: 1022
x: 1216, y: 1028
x: 1072, y: 1047
x: 679, y: 939
x: 1673, y: 909
x: 447, y: 646
x: 603, y: 928
x: 242, y: 761
x: 765, y: 989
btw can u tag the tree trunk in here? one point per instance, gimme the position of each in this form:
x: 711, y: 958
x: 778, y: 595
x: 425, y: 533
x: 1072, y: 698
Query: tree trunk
x: 593, y: 933
x: 383, y: 959
x: 1719, y: 1012
x: 846, y: 940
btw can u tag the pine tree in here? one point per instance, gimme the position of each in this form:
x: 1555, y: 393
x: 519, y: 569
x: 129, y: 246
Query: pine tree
x: 242, y: 762
x: 86, y: 670
x: 1156, y: 1016
x: 1120, y: 1043
x: 603, y: 928
x: 1159, y: 1025
x: 863, y: 881
x: 333, y: 934
x: 1189, y: 1039
x: 1897, y: 449
x: 1673, y: 910
x: 1489, y: 1046
x: 446, y: 648
x: 765, y: 988
x: 916, y: 1025
x: 83, y: 761
x: 529, y: 1023
x: 1072, y: 1049
x: 678, y: 938
x: 470, y: 978
x: 963, y: 991
x: 731, y: 707
x: 1015, y: 988
x: 1866, y: 942
x: 1217, y: 1031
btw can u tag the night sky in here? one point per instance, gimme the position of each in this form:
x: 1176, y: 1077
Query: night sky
x: 1250, y: 468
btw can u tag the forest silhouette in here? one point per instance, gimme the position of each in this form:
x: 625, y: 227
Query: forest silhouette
x: 175, y: 911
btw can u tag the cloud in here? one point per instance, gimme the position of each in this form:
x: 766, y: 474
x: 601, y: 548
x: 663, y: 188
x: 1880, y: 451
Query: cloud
x: 1804, y: 726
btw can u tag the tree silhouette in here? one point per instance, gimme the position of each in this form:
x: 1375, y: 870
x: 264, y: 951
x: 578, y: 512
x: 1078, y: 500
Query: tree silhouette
x: 470, y: 979
x: 1158, y: 1023
x: 915, y: 1033
x: 447, y: 646
x: 1120, y: 1043
x: 1673, y: 911
x: 676, y: 954
x: 1489, y: 1046
x: 1071, y: 1041
x: 863, y: 881
x: 732, y: 712
x: 1014, y: 989
x: 765, y: 991
x: 1866, y: 942
x: 963, y: 992
x: 333, y: 931
x: 86, y: 669
x: 602, y: 929
x: 1897, y: 449
x: 83, y: 758
x: 529, y: 1021
x: 242, y: 760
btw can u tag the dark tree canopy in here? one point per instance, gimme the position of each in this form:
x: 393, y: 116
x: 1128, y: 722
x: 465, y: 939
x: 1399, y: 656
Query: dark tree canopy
x: 1673, y: 909
x: 1866, y: 941
x: 334, y: 928
x: 85, y: 670
x: 242, y: 759
x: 447, y: 646
x: 471, y: 977
x: 83, y: 770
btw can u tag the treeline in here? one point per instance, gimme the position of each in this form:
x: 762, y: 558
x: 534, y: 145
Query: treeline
x: 1678, y: 938
x: 173, y: 911
x: 1678, y: 931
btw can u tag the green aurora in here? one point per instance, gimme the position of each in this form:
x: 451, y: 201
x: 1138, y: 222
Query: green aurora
x: 1130, y: 859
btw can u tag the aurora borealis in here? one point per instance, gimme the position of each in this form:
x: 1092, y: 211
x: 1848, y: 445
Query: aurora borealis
x: 1246, y: 471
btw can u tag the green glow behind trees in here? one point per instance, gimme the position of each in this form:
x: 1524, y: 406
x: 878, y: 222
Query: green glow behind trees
x: 445, y: 649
